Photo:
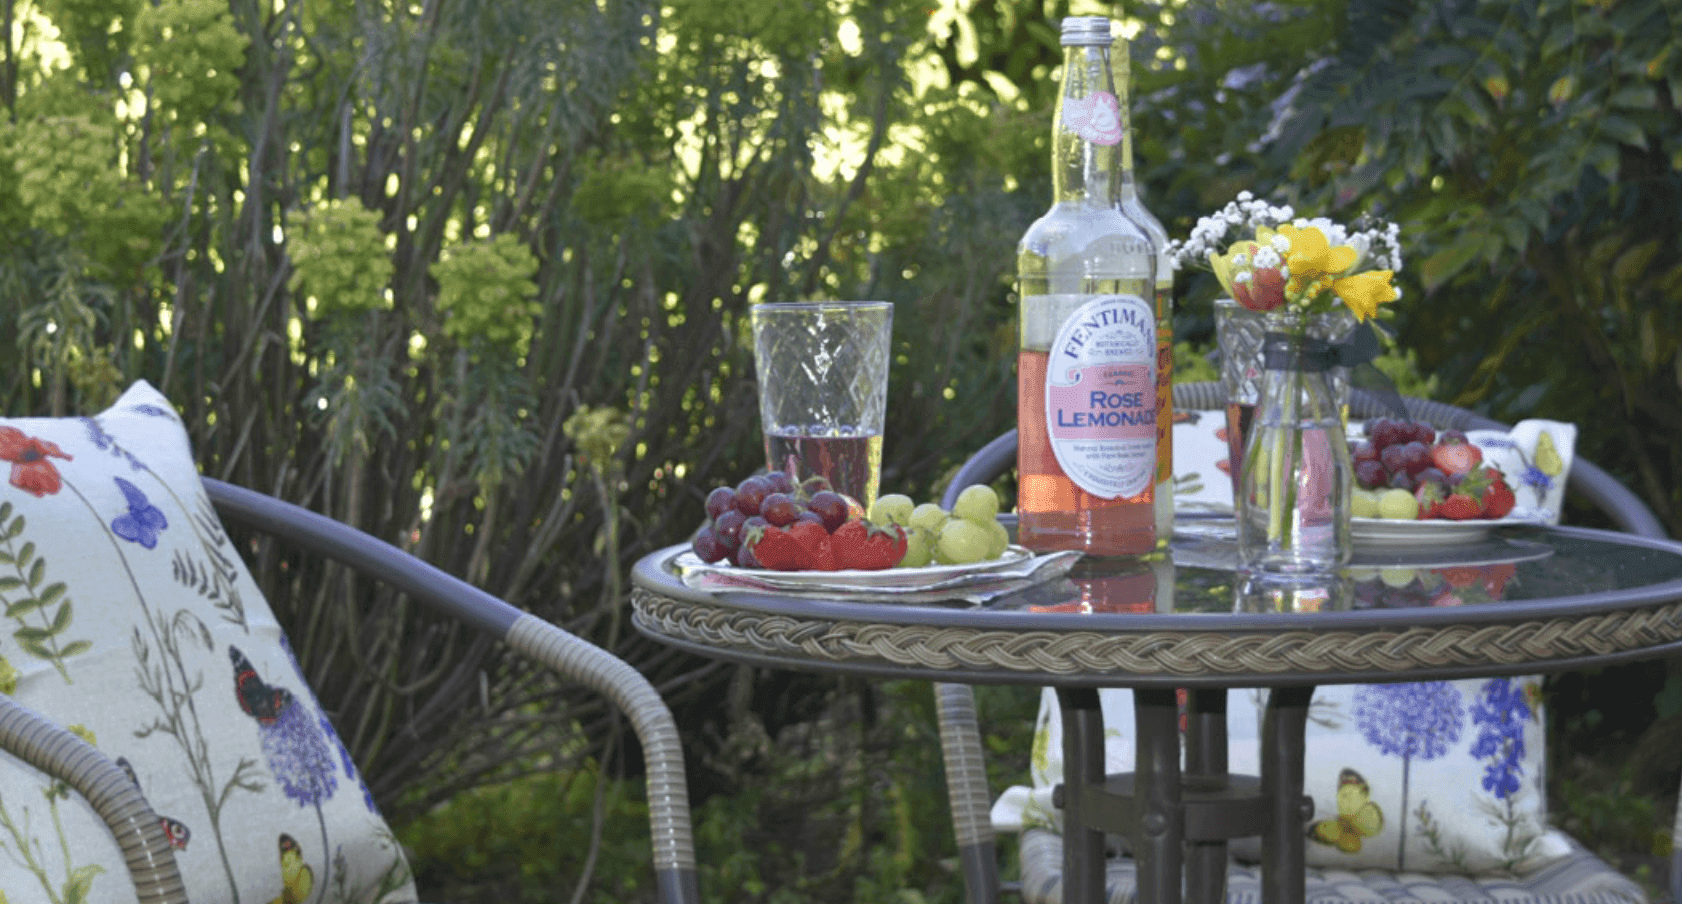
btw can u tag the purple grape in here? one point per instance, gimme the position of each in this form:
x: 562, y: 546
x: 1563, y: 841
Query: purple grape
x: 780, y: 509
x: 728, y: 526
x: 720, y: 500
x: 1370, y: 474
x: 750, y: 493
x: 708, y: 546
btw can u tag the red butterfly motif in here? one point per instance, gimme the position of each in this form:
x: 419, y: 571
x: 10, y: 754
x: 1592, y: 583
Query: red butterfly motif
x: 174, y: 829
x: 261, y: 701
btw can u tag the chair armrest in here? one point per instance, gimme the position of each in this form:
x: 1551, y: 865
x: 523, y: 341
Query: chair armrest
x: 33, y: 739
x: 569, y: 655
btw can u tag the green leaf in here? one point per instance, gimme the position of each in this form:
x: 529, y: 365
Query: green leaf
x: 53, y: 592
x: 74, y: 647
x: 1624, y: 131
x: 5, y: 510
x: 8, y: 582
x: 37, y: 649
x: 37, y: 573
x: 23, y: 607
x: 1442, y: 266
x: 1635, y: 97
x: 13, y: 529
x: 61, y: 619
x: 27, y: 633
x: 81, y: 882
x: 26, y: 555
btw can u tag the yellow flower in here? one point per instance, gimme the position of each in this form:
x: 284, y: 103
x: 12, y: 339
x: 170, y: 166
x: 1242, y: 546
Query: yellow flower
x: 1364, y: 292
x: 8, y: 683
x: 1311, y: 254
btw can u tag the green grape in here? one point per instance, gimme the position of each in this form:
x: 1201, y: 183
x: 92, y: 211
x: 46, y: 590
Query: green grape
x: 1398, y: 504
x: 963, y: 542
x: 1000, y: 539
x: 1397, y: 577
x: 977, y: 503
x: 894, y: 508
x: 1363, y: 504
x: 929, y: 516
x: 918, y: 549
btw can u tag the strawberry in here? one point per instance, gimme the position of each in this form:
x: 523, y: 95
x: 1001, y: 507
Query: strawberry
x: 775, y: 548
x: 817, y: 552
x: 860, y: 544
x: 1460, y: 506
x: 1453, y: 454
x: 1430, y: 494
x: 1498, y: 500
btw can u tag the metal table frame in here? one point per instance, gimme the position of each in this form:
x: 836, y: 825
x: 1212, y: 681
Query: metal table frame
x: 1176, y: 821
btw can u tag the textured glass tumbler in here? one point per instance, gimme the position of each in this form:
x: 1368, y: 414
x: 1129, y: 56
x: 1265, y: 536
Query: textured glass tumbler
x: 1238, y: 338
x: 823, y: 390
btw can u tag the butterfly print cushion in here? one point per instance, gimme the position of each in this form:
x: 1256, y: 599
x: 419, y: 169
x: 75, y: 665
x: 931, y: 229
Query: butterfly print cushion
x: 131, y: 619
x: 1432, y: 777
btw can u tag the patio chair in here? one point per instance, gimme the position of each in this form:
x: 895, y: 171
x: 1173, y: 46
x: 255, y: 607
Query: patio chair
x: 1040, y: 851
x: 110, y: 512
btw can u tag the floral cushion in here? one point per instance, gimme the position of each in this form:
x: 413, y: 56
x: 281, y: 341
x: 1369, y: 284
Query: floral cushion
x: 1435, y: 777
x: 132, y: 620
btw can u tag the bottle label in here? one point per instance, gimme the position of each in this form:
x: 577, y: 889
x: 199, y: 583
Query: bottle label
x: 1095, y: 117
x: 1100, y: 396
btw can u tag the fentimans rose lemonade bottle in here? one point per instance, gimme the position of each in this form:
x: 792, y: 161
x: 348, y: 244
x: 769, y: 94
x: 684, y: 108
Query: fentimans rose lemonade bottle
x: 1163, y: 298
x: 1086, y: 371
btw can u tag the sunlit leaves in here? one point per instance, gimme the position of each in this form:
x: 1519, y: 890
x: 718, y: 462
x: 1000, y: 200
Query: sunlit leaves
x: 486, y: 295
x: 339, y: 256
x: 193, y: 53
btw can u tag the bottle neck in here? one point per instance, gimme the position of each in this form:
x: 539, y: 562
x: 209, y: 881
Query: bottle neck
x: 1121, y: 61
x: 1087, y: 141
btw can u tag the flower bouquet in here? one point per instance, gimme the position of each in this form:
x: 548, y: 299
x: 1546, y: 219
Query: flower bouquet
x: 1295, y: 478
x: 1280, y: 262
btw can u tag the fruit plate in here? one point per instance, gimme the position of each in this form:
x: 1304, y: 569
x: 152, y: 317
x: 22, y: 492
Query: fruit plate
x: 1430, y: 531
x: 1018, y: 567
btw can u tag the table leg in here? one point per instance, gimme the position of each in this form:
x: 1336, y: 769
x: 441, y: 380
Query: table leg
x: 1083, y: 766
x: 1284, y: 843
x: 1159, y: 839
x: 1206, y: 768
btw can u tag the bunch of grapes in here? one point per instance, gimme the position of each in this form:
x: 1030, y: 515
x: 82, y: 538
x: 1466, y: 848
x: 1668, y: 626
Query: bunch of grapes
x: 1406, y: 470
x: 970, y: 532
x: 762, y: 501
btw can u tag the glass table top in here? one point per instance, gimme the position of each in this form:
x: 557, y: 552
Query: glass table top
x: 1511, y: 564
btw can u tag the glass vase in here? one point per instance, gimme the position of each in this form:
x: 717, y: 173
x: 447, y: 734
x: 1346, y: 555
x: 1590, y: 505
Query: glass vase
x: 1297, y: 478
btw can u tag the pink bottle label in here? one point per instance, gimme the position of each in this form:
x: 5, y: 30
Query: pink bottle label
x: 1100, y: 396
x: 1095, y: 118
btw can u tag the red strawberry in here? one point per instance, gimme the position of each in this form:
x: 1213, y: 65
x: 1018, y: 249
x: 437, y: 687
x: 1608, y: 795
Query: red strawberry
x: 775, y: 548
x: 818, y: 553
x: 1498, y: 499
x: 1453, y: 454
x: 1460, y: 506
x: 861, y: 544
x: 1430, y: 494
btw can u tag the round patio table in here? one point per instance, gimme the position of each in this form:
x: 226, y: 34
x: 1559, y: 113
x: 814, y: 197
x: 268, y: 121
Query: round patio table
x: 1516, y: 601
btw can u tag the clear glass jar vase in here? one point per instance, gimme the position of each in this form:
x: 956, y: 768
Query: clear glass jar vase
x: 1296, y: 479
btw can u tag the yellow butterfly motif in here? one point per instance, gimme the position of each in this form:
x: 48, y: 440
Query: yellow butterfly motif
x: 1357, y: 816
x: 297, y: 879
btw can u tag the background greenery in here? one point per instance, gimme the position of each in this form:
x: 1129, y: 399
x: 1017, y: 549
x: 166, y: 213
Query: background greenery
x: 472, y: 275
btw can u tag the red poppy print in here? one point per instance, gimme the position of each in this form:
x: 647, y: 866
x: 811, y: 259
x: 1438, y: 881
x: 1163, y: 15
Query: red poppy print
x: 32, y: 472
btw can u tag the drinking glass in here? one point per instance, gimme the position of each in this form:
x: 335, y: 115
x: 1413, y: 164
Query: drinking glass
x: 823, y: 390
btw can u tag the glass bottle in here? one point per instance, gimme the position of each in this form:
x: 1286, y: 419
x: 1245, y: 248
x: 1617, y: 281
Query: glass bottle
x: 1086, y: 366
x: 1297, y: 481
x: 1133, y: 206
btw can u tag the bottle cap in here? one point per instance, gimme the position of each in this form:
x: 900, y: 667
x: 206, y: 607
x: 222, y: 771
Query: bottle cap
x: 1084, y: 30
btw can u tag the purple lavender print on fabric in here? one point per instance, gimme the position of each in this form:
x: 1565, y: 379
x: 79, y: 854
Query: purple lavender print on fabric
x: 1500, y: 713
x: 1412, y: 721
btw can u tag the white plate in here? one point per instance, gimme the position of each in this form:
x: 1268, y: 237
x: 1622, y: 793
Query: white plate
x: 1428, y: 532
x: 888, y: 578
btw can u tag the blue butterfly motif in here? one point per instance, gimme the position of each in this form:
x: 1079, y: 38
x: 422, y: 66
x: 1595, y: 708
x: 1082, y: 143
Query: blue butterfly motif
x: 142, y: 522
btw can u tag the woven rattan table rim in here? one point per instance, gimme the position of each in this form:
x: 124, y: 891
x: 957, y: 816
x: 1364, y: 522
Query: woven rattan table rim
x: 1162, y: 653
